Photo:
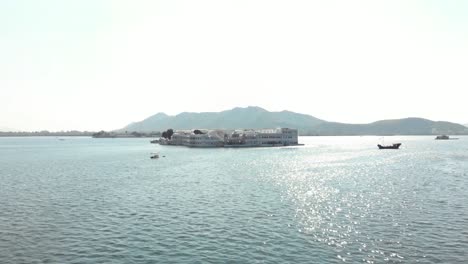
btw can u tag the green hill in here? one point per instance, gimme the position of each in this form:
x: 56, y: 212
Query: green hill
x: 256, y: 117
x: 405, y: 126
x: 249, y: 117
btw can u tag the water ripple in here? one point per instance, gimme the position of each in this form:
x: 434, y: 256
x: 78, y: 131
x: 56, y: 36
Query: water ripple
x: 337, y: 199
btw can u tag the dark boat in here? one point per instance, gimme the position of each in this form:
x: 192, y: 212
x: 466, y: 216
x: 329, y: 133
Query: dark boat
x: 445, y: 137
x: 393, y: 146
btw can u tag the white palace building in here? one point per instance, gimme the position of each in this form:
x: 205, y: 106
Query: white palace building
x: 233, y: 138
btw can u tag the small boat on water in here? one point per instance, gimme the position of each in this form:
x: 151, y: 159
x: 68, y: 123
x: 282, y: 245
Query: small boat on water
x: 154, y: 141
x: 393, y: 146
x: 155, y: 156
x: 444, y: 137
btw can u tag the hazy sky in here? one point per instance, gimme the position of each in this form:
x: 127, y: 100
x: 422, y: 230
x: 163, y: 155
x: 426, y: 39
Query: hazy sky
x: 92, y: 65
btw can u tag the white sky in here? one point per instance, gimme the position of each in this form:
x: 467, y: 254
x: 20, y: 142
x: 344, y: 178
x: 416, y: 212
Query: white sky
x: 92, y: 65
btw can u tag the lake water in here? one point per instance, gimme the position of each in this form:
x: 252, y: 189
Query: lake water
x: 334, y: 200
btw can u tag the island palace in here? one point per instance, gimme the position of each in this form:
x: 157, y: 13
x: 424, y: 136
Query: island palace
x: 233, y: 138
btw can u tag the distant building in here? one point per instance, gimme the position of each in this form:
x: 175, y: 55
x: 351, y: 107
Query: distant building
x: 233, y: 138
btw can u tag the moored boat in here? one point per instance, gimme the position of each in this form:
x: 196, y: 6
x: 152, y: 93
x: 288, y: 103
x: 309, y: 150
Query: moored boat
x: 393, y: 146
x: 444, y: 137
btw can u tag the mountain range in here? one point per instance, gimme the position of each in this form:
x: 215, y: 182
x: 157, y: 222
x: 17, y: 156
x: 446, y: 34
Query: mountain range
x: 256, y: 117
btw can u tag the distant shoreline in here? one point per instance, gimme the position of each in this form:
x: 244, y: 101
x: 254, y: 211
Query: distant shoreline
x: 49, y: 134
x: 90, y: 136
x: 101, y: 134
